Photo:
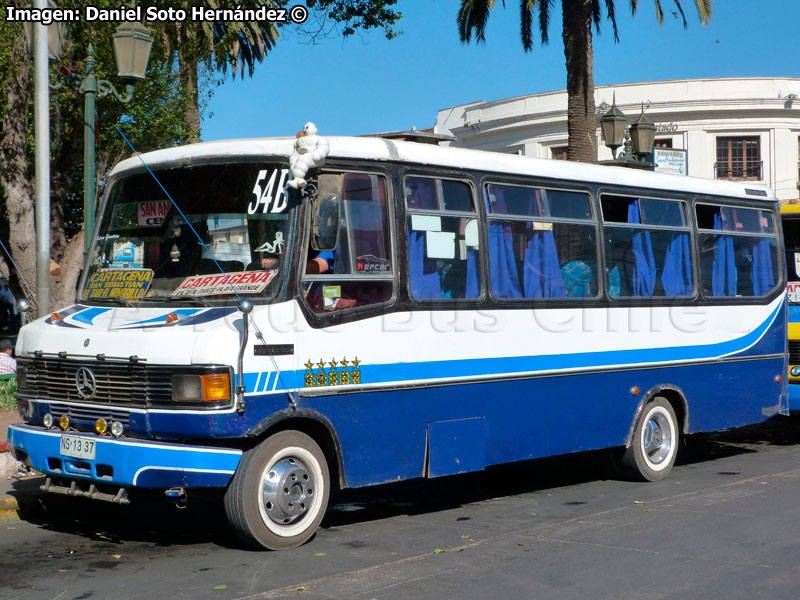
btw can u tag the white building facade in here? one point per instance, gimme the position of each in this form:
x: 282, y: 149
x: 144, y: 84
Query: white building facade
x: 732, y: 128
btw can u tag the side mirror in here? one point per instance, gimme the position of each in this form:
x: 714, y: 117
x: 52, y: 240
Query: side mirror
x: 327, y: 213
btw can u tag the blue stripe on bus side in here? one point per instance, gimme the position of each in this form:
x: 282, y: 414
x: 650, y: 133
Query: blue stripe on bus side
x: 519, y: 365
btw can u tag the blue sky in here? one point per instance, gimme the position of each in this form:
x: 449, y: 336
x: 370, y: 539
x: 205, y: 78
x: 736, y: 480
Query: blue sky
x: 368, y: 84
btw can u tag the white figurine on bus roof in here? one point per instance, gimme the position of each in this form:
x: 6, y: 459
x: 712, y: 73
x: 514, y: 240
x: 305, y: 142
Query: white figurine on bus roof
x: 309, y: 151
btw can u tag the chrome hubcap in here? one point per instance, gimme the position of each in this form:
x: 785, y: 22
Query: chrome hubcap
x: 657, y: 439
x: 287, y: 490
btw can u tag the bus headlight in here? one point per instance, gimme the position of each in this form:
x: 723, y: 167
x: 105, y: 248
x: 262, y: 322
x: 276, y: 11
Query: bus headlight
x: 116, y: 429
x: 212, y: 387
x: 47, y: 420
x: 795, y: 372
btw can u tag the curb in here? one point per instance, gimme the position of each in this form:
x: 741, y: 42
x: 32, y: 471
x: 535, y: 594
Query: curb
x: 8, y: 510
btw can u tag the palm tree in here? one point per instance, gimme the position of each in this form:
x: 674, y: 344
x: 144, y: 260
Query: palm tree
x: 216, y: 45
x: 577, y: 17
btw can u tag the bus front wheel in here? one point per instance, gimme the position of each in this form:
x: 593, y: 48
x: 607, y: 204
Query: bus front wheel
x: 654, y: 446
x: 279, y: 493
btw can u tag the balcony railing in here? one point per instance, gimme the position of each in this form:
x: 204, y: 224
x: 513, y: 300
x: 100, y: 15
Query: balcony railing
x: 750, y: 170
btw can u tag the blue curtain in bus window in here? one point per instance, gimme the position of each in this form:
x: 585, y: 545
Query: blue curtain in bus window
x: 763, y: 275
x: 723, y: 272
x: 676, y: 277
x: 541, y: 275
x: 473, y: 285
x: 422, y: 271
x: 644, y: 265
x: 505, y: 280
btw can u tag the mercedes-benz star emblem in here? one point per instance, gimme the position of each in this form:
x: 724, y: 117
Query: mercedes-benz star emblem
x: 85, y: 382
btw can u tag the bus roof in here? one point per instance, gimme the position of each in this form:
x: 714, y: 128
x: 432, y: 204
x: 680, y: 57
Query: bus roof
x: 379, y: 149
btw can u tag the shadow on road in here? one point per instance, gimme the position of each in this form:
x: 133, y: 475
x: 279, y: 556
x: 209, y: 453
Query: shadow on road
x: 155, y: 522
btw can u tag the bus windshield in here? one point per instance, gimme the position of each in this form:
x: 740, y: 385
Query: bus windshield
x: 791, y: 234
x: 147, y: 251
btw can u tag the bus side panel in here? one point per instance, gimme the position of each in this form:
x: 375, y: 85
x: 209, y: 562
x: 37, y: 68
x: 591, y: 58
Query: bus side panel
x: 383, y: 434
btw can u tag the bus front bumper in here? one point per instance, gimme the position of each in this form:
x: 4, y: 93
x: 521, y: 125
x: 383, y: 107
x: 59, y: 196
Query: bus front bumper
x: 794, y: 396
x: 125, y: 462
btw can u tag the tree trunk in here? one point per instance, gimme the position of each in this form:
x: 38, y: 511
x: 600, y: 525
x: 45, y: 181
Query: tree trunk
x: 64, y: 286
x: 16, y: 177
x: 581, y: 119
x: 188, y: 74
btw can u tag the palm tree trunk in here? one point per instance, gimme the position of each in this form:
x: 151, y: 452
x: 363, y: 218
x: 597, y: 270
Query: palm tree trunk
x: 581, y: 119
x: 188, y: 73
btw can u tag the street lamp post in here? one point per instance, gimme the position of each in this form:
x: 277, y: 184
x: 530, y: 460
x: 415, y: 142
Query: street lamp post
x: 132, y: 44
x: 638, y: 138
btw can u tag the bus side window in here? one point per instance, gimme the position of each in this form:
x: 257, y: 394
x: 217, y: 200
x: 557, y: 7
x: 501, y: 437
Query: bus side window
x: 647, y: 247
x: 443, y: 239
x: 533, y: 251
x: 359, y: 271
x: 738, y: 251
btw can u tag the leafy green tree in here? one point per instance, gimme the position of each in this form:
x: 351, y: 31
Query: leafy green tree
x: 577, y: 18
x: 161, y: 113
x: 154, y: 118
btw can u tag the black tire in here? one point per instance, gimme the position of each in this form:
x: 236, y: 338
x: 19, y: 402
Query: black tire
x: 279, y: 493
x: 654, y: 445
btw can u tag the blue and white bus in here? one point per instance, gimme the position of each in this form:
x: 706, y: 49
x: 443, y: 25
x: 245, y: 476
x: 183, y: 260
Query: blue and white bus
x: 413, y: 311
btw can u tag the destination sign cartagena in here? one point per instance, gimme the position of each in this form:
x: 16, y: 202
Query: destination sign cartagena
x: 130, y: 284
x: 246, y: 282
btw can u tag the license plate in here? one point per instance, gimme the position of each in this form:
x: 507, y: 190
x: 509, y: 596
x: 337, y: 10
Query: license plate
x: 77, y: 447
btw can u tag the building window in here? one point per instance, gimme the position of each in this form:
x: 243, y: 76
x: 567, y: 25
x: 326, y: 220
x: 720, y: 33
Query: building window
x: 663, y: 143
x: 559, y: 152
x: 738, y: 158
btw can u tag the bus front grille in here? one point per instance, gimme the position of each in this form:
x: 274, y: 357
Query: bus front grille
x: 116, y: 384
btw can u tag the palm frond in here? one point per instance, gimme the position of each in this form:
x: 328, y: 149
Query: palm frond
x: 660, y: 13
x: 595, y: 10
x: 473, y: 16
x: 544, y: 19
x: 526, y: 23
x: 683, y: 15
x: 703, y: 11
x: 612, y: 16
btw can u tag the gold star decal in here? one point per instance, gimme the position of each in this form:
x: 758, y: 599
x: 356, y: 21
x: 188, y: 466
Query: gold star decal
x: 321, y: 364
x: 333, y: 363
x: 309, y: 365
x: 356, y: 362
x: 344, y: 362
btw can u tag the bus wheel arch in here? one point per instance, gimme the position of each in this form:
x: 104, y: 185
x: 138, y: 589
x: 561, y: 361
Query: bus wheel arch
x: 652, y: 445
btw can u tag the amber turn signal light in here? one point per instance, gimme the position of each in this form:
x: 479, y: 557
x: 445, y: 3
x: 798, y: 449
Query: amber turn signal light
x: 216, y: 387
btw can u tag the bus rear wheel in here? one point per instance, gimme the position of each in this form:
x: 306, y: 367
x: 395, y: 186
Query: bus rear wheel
x: 279, y: 494
x: 654, y: 446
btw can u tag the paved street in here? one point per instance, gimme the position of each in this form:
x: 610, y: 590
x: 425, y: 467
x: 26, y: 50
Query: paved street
x: 723, y: 525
